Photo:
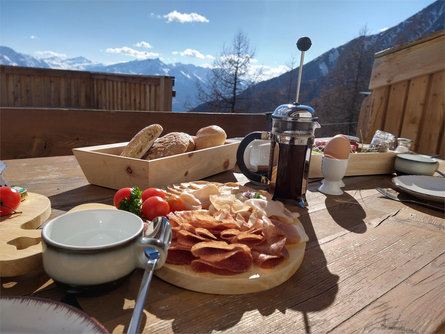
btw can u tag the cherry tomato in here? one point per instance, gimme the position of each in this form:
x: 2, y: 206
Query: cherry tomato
x: 176, y: 203
x: 155, y: 206
x: 152, y: 192
x: 9, y: 200
x: 120, y: 195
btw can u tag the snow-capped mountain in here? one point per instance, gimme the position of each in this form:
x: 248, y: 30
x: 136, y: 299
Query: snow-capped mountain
x: 185, y: 74
x: 9, y: 57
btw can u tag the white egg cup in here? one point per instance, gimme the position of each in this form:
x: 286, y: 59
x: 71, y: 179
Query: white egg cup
x: 333, y: 171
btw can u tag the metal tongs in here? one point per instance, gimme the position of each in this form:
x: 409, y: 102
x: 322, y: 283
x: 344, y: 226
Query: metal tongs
x: 161, y: 232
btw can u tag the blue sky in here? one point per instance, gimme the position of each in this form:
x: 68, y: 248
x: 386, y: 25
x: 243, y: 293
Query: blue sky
x: 192, y: 31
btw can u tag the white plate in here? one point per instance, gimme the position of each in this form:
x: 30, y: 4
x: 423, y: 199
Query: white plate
x: 427, y: 187
x: 39, y: 315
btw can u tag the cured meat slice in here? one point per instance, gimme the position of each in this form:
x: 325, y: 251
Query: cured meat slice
x: 236, y: 258
x: 188, y: 239
x: 198, y: 218
x: 205, y: 233
x: 294, y: 232
x: 178, y: 254
x: 266, y: 260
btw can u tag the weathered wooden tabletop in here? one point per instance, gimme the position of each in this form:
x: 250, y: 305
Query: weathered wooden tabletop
x: 371, y: 265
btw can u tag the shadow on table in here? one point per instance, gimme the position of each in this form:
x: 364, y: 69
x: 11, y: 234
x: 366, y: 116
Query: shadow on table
x: 81, y: 195
x: 312, y: 288
x: 346, y: 212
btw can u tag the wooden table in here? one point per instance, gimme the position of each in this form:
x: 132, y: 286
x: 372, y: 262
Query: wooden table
x: 371, y: 265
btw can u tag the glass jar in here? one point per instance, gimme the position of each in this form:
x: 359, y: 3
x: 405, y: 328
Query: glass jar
x: 382, y: 141
x: 404, y: 145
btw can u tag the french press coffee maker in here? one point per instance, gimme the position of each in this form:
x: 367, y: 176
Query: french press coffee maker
x: 291, y: 140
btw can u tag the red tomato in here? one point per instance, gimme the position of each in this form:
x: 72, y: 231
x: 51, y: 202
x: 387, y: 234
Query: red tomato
x: 9, y: 200
x: 176, y: 203
x: 152, y: 192
x: 155, y: 206
x: 120, y: 195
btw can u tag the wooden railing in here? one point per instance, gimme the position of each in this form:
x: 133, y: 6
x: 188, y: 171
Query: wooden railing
x: 408, y: 95
x: 40, y: 87
x: 40, y: 132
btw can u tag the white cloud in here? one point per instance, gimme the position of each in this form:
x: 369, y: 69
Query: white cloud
x: 143, y: 44
x: 51, y: 54
x: 175, y: 16
x: 32, y: 37
x: 192, y: 53
x: 267, y: 72
x: 126, y: 51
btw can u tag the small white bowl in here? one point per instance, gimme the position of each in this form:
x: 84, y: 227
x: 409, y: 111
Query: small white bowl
x: 96, y: 246
x: 415, y: 164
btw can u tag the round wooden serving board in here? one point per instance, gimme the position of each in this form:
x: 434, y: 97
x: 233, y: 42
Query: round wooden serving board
x: 255, y: 280
x: 20, y: 240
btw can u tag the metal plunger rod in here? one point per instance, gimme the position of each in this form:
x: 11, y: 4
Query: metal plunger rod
x: 300, y: 71
x: 303, y: 44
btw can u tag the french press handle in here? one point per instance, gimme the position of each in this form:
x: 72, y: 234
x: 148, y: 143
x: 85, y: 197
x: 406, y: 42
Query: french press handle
x: 256, y: 177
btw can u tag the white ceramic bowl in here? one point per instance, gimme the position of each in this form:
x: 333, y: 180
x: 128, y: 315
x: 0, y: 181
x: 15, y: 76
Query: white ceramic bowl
x: 415, y: 164
x: 98, y: 246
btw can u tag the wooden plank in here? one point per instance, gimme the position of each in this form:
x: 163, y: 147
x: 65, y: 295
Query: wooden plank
x: 3, y: 89
x: 378, y: 111
x: 416, y: 60
x: 415, y: 293
x: 60, y: 130
x: 414, y: 109
x: 396, y: 107
x: 434, y: 117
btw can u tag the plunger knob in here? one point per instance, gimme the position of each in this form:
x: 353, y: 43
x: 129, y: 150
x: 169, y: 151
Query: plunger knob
x: 304, y: 43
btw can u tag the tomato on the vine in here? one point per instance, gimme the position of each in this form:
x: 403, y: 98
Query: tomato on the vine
x: 9, y: 200
x: 150, y: 192
x: 120, y: 195
x: 176, y: 203
x: 155, y: 206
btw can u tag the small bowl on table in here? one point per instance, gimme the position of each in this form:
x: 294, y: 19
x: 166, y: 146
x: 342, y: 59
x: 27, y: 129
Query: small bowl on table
x: 415, y: 164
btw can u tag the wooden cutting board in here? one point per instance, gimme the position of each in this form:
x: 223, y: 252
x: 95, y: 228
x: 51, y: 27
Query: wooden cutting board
x: 20, y: 240
x: 255, y: 280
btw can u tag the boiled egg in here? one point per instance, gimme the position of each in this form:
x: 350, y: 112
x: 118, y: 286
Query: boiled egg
x: 338, y: 147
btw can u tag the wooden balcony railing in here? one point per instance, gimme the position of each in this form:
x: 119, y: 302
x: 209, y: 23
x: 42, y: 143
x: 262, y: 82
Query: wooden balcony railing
x: 41, y: 87
x: 408, y: 95
x: 41, y: 132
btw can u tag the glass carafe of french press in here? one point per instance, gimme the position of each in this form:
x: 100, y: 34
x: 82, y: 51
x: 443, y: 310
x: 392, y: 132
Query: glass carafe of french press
x: 291, y: 139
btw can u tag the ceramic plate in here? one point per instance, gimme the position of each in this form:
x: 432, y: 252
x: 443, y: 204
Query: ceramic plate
x: 427, y: 187
x: 39, y: 315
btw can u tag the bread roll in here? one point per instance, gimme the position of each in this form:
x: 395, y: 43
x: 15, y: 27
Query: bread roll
x: 170, y: 144
x: 210, y: 136
x: 142, y: 141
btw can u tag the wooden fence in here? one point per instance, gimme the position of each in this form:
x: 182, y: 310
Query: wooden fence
x: 41, y: 87
x: 41, y: 132
x: 408, y: 90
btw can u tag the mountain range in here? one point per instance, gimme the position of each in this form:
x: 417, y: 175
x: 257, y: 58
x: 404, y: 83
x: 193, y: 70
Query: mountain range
x: 320, y: 79
x: 185, y: 74
x: 336, y: 82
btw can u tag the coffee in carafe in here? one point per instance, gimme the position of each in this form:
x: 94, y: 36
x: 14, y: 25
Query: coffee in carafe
x: 291, y: 139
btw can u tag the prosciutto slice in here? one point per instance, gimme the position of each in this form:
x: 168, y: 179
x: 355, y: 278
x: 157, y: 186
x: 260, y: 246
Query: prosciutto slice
x: 178, y: 254
x: 219, y: 256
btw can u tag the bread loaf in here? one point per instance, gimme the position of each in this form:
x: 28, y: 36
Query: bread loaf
x: 210, y: 136
x: 170, y: 144
x: 142, y: 141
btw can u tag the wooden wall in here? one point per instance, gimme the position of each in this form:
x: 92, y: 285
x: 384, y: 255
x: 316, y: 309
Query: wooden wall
x: 39, y: 132
x: 408, y: 90
x: 39, y: 87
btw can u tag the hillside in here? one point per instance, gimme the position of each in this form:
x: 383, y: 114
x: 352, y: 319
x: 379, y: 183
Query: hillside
x: 333, y: 83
